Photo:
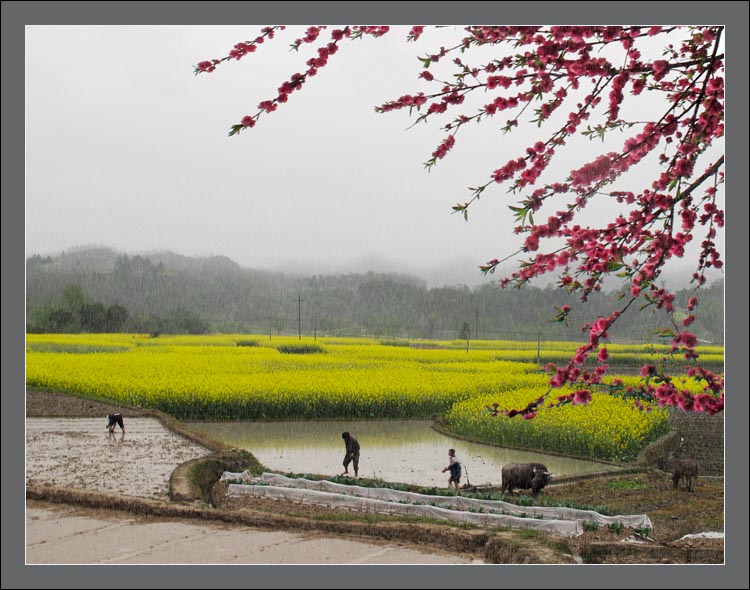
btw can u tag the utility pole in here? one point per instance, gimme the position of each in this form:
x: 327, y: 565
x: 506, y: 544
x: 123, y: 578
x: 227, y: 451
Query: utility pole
x: 315, y: 311
x: 538, y: 346
x: 299, y: 316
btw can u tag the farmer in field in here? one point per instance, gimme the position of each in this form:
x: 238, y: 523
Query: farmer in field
x: 114, y: 420
x: 352, y: 454
x: 454, y: 466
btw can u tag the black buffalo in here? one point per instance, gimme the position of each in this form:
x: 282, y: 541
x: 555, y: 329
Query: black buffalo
x: 524, y: 476
x: 687, y: 470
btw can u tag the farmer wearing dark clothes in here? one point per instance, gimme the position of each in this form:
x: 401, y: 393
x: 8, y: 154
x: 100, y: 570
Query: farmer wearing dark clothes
x: 352, y: 454
x: 114, y: 420
x: 455, y: 468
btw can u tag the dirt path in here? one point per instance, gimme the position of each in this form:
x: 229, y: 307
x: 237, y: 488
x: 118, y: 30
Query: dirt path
x: 44, y: 404
x: 70, y: 535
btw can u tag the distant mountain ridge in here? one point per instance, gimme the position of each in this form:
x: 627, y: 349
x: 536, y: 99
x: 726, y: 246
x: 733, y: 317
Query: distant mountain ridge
x: 229, y: 297
x: 103, y: 259
x: 450, y: 272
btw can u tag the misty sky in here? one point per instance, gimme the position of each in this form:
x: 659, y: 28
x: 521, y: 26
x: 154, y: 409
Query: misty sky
x: 127, y: 148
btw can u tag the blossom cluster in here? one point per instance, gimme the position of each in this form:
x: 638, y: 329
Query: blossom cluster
x: 581, y: 78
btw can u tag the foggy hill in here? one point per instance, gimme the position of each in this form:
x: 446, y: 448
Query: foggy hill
x: 229, y: 298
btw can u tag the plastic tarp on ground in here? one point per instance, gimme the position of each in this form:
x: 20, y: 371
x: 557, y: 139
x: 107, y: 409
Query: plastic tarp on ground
x: 454, y: 502
x: 709, y: 535
x: 570, y: 528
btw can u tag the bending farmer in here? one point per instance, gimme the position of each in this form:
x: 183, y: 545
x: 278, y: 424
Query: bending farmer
x: 114, y: 420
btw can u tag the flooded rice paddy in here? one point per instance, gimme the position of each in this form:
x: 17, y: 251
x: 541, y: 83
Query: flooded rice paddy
x: 406, y: 451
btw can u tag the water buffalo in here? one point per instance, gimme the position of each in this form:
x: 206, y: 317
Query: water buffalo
x: 524, y: 476
x: 686, y: 469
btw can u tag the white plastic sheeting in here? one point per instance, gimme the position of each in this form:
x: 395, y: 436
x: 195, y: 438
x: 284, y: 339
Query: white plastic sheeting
x: 230, y: 476
x: 454, y: 502
x: 709, y: 535
x: 568, y: 528
x: 636, y: 540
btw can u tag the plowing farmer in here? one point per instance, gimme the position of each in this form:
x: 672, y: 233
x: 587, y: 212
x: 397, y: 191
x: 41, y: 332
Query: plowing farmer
x: 455, y: 468
x: 352, y: 454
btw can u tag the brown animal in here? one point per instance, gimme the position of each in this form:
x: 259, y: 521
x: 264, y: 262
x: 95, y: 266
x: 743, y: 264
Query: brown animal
x: 524, y: 476
x: 687, y: 470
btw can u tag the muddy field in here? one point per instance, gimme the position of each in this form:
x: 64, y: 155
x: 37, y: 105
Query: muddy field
x: 80, y: 453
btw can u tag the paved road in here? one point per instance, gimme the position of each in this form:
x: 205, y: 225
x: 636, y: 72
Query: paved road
x: 69, y: 535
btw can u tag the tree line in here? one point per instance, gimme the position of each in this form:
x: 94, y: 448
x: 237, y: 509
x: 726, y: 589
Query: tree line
x: 174, y: 294
x: 76, y: 312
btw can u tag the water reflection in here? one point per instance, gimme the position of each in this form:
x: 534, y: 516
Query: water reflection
x: 407, y: 451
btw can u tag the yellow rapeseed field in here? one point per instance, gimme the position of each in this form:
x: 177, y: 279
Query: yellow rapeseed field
x: 213, y: 377
x: 606, y: 428
x: 245, y: 377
